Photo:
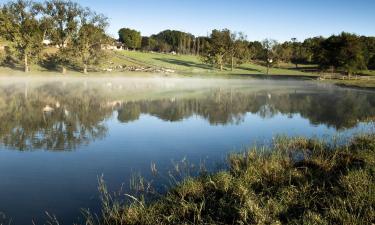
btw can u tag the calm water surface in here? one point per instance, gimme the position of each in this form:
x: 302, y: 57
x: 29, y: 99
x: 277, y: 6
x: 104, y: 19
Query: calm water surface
x: 58, y: 135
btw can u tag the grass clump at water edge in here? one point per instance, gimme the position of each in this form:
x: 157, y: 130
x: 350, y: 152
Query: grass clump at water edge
x: 296, y: 181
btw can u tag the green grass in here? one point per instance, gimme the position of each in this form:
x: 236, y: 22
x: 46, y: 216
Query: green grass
x: 190, y: 64
x: 296, y: 181
x: 369, y: 84
x: 368, y: 72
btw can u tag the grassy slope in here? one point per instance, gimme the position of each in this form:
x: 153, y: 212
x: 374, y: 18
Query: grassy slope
x: 324, y: 184
x: 189, y: 64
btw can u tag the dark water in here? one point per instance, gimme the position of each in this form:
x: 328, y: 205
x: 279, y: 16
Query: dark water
x: 50, y: 160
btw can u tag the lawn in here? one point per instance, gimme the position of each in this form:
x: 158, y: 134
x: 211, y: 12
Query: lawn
x: 190, y: 64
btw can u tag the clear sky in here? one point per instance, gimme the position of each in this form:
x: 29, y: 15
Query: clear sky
x: 258, y: 19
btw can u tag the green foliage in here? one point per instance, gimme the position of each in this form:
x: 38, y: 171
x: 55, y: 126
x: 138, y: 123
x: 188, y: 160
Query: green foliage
x: 62, y: 19
x: 173, y: 40
x: 219, y: 49
x: 343, y: 52
x: 297, y: 181
x: 88, y: 42
x: 20, y: 25
x: 256, y: 49
x: 131, y: 38
x: 368, y: 45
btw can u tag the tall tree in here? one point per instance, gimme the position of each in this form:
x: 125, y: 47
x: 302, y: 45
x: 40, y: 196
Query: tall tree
x: 350, y: 57
x: 20, y: 25
x: 239, y: 51
x: 219, y: 48
x: 63, y: 17
x: 343, y: 52
x: 269, y: 52
x: 368, y: 46
x: 89, y: 39
x: 131, y: 38
x: 256, y: 49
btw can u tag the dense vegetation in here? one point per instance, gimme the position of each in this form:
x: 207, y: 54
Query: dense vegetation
x: 78, y: 36
x: 296, y: 181
x: 76, y: 32
x: 345, y: 52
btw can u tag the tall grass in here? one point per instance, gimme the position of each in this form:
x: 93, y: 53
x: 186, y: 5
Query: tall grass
x: 296, y: 181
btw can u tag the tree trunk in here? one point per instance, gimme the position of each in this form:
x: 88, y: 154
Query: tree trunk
x: 26, y: 64
x: 221, y: 62
x: 63, y: 70
x: 232, y: 66
x: 198, y: 46
x: 85, y: 69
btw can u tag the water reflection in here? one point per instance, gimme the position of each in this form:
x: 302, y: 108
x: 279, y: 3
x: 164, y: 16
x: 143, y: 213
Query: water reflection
x: 341, y: 110
x: 50, y: 117
x: 63, y: 116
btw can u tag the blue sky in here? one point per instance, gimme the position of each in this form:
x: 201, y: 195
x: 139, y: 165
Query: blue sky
x: 258, y: 19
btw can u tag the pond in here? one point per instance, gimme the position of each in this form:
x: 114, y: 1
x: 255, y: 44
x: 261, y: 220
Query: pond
x: 58, y: 135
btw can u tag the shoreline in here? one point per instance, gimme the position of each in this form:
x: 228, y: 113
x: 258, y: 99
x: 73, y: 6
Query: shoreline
x: 363, y: 85
x: 270, y: 185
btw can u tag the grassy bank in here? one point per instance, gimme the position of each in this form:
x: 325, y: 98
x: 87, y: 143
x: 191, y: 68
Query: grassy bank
x: 363, y: 84
x: 296, y: 181
x: 190, y: 64
x: 126, y: 62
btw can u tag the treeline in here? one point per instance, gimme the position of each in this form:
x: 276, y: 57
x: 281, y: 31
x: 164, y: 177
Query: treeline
x: 345, y: 52
x: 165, y: 41
x: 76, y: 32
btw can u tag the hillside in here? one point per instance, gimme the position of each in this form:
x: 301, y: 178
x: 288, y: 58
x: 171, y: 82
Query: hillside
x: 190, y: 64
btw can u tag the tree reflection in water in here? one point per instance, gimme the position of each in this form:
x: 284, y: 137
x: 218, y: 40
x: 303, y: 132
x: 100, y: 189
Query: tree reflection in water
x: 61, y: 116
x: 341, y: 110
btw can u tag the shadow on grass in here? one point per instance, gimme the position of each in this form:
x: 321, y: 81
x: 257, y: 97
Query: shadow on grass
x: 184, y: 63
x: 305, y: 69
x: 249, y: 69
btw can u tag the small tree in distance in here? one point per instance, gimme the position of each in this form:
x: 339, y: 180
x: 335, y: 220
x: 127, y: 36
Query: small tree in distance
x: 131, y: 38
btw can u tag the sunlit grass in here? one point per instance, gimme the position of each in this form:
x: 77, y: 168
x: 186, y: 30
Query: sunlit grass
x: 296, y: 181
x: 193, y: 64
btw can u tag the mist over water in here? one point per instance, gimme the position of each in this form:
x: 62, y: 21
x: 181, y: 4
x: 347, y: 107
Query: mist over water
x: 57, y: 135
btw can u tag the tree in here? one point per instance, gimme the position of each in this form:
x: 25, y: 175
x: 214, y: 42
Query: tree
x: 269, y: 52
x: 131, y: 38
x: 178, y: 41
x: 313, y: 48
x: 343, y: 52
x: 256, y: 49
x: 219, y: 48
x: 239, y: 51
x: 63, y: 17
x: 368, y: 46
x: 90, y: 38
x: 20, y: 25
x: 350, y: 56
x: 296, y: 56
x: 284, y: 52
